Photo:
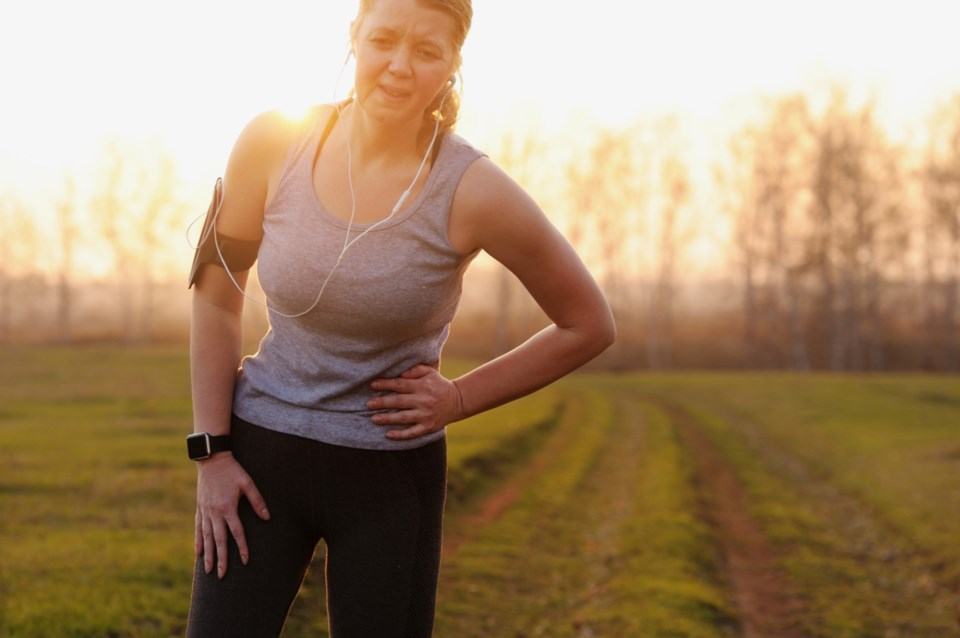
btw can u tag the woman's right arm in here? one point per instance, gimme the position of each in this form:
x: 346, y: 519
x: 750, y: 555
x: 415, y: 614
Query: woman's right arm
x: 216, y: 339
x: 215, y: 350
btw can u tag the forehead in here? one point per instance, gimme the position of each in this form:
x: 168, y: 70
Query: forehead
x: 409, y: 17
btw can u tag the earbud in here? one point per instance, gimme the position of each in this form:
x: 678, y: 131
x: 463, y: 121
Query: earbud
x: 451, y: 86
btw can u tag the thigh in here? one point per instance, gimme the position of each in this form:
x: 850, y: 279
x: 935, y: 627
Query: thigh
x: 254, y: 599
x: 383, y: 543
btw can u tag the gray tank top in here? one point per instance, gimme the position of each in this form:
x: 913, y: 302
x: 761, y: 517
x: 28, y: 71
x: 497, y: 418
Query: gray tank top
x: 387, y: 307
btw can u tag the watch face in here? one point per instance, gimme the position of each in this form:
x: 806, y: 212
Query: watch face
x: 198, y: 446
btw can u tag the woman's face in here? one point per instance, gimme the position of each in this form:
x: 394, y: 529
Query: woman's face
x: 405, y: 57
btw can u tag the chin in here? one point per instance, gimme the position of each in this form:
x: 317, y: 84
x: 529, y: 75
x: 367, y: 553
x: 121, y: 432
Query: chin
x: 389, y: 113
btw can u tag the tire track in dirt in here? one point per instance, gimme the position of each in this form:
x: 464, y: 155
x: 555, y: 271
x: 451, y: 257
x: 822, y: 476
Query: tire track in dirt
x: 473, y: 518
x: 569, y: 503
x: 760, y: 591
x: 608, y: 489
x: 912, y: 590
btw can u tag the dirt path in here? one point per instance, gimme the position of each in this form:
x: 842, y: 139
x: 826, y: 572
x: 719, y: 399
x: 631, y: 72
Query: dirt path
x: 764, y: 603
x: 535, y: 556
x: 487, y: 509
x: 587, y: 590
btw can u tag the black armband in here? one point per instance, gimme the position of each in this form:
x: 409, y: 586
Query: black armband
x: 215, y: 248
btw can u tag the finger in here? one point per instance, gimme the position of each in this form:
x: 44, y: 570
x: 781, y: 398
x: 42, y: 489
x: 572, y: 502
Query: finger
x: 405, y: 434
x: 400, y: 417
x: 236, y: 530
x: 398, y: 384
x: 418, y: 371
x: 390, y: 402
x: 404, y: 417
x: 256, y: 500
x: 220, y: 540
x: 208, y: 545
x: 198, y: 533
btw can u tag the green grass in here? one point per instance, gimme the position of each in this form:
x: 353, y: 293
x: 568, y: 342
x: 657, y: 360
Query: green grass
x: 97, y: 500
x: 603, y: 540
x: 855, y: 481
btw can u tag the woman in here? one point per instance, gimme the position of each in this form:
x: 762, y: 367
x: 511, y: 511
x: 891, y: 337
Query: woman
x: 363, y: 223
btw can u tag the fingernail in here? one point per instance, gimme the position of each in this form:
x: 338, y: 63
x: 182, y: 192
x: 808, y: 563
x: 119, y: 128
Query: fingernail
x: 220, y: 571
x: 265, y: 512
x: 243, y: 559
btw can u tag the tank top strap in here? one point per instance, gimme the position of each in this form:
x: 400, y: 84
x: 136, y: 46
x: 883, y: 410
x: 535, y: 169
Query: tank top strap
x: 304, y: 151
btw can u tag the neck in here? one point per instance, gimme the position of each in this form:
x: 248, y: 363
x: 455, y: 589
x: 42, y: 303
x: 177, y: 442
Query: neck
x: 372, y: 140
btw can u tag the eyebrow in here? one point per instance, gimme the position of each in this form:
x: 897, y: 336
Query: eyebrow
x: 424, y: 40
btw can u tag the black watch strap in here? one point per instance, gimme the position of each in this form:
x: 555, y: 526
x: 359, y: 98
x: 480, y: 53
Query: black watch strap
x: 202, y: 446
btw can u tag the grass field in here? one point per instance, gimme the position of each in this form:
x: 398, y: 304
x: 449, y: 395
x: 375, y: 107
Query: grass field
x: 606, y: 506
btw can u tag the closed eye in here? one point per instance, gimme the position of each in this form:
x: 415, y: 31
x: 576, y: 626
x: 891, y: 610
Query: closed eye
x: 429, y: 54
x: 382, y: 42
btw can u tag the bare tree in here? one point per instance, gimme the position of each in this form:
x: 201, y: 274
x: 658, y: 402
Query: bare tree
x: 675, y: 189
x: 68, y: 231
x: 940, y: 177
x: 7, y: 237
x: 111, y: 205
x: 135, y: 207
x: 160, y: 212
x: 858, y: 231
x: 770, y: 177
x: 20, y: 281
x: 820, y: 233
x: 736, y: 184
x: 783, y: 173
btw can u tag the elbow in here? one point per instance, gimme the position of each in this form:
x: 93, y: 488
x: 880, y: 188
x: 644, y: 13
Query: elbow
x: 601, y: 335
x: 606, y: 333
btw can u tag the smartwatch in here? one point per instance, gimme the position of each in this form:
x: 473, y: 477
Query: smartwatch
x: 202, y: 446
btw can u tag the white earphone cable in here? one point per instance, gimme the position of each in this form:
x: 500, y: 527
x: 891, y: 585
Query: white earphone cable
x: 347, y: 242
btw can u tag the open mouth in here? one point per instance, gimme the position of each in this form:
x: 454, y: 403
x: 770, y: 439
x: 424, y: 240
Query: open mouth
x: 394, y: 92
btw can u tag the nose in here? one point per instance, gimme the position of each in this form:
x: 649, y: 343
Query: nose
x: 400, y: 61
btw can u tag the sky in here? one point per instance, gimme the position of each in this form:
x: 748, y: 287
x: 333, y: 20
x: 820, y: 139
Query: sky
x: 191, y: 73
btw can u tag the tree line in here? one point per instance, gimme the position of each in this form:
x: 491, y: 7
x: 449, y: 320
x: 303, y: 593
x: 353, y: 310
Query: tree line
x: 846, y: 242
x: 840, y: 245
x: 96, y: 262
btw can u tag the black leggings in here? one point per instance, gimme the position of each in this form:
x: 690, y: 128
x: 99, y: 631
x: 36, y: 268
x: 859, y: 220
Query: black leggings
x: 380, y: 514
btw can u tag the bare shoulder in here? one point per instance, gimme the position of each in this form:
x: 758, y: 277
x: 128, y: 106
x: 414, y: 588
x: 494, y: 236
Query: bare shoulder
x: 254, y: 167
x: 265, y: 140
x: 484, y: 184
x: 488, y: 206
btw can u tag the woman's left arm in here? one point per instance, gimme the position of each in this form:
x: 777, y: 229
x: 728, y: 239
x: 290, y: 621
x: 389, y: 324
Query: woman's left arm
x: 491, y: 212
